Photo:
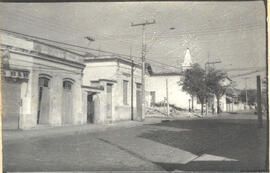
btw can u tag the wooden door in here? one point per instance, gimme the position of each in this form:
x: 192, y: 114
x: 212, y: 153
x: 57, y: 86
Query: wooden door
x: 67, y: 107
x: 11, y: 102
x: 44, y: 101
x: 139, y: 101
x: 90, y: 109
x: 109, y: 101
x: 153, y: 98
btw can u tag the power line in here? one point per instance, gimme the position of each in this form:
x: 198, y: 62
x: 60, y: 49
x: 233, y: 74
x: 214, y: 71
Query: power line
x: 243, y: 69
x: 58, y: 42
x: 82, y: 47
x: 47, y: 22
x: 184, y: 32
x: 245, y: 74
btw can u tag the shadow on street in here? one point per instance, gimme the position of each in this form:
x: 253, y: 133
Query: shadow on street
x: 238, y: 143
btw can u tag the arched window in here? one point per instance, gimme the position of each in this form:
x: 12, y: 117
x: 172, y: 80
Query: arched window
x: 43, y: 82
x: 67, y: 85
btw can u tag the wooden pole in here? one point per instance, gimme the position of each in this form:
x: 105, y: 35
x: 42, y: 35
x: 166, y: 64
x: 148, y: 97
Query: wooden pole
x: 142, y: 116
x: 259, y: 104
x: 167, y: 98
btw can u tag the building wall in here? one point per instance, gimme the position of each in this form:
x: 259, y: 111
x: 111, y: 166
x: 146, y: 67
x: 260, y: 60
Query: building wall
x: 117, y: 71
x: 23, y: 56
x: 176, y: 95
x: 99, y: 70
x: 232, y: 107
x: 30, y: 91
x: 123, y: 72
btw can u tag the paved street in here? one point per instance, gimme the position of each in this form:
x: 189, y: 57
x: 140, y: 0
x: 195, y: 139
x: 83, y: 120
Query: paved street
x: 230, y: 142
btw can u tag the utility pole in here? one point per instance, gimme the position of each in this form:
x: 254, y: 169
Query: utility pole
x: 167, y: 98
x: 206, y: 100
x: 143, y: 63
x: 208, y: 63
x: 259, y: 104
x: 192, y: 100
x: 246, y: 93
x: 132, y: 77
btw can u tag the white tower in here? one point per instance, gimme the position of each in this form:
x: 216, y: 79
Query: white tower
x: 187, y: 61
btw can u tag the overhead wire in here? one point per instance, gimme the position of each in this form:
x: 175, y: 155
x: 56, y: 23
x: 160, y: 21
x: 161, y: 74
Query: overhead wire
x: 82, y: 47
x: 49, y: 22
x: 36, y: 20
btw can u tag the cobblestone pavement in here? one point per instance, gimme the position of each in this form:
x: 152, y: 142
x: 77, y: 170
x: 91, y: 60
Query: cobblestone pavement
x: 229, y: 143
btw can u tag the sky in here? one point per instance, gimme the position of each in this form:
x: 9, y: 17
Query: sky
x: 230, y: 32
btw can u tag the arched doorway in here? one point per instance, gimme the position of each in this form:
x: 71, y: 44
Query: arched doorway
x: 43, y: 100
x: 67, y: 100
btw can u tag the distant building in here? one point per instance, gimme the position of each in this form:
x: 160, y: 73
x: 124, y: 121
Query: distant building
x: 156, y: 86
x: 232, y: 100
x: 41, y: 84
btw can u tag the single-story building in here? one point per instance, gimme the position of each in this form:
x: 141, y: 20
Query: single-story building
x: 108, y: 84
x: 160, y: 80
x: 41, y: 84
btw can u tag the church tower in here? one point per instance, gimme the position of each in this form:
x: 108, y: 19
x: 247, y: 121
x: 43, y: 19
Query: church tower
x: 187, y: 61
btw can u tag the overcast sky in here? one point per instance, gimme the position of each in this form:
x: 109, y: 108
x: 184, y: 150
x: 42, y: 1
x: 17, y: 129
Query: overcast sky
x: 233, y: 32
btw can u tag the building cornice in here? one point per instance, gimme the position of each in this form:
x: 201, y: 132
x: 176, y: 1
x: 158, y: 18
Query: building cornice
x: 105, y: 80
x: 112, y: 59
x: 38, y: 55
x: 166, y: 74
x: 101, y: 88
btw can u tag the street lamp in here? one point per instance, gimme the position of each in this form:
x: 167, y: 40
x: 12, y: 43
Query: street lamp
x: 154, y: 41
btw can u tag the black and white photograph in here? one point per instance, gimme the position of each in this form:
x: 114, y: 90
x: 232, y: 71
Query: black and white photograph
x: 134, y: 86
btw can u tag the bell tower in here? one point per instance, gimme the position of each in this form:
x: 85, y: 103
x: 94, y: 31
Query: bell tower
x: 187, y: 61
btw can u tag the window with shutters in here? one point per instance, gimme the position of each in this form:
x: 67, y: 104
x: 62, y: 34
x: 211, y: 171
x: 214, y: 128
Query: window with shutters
x: 125, y: 92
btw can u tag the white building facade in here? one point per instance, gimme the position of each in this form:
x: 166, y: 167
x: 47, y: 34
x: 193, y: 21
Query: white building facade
x: 157, y: 89
x: 116, y: 98
x: 41, y: 84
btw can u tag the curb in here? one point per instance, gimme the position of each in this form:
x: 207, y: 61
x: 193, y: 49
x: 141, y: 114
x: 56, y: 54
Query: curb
x: 9, y: 136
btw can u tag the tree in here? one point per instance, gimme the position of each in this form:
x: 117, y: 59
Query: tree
x: 194, y: 83
x: 216, y: 82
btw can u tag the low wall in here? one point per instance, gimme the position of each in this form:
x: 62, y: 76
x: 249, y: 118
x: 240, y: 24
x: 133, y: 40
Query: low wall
x: 122, y: 113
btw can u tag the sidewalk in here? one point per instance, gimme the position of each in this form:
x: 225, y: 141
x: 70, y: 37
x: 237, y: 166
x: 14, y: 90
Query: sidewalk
x: 13, y: 135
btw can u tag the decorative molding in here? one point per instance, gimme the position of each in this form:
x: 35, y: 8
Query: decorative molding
x: 38, y: 55
x: 93, y: 87
x: 69, y: 79
x: 15, y: 75
x: 45, y: 75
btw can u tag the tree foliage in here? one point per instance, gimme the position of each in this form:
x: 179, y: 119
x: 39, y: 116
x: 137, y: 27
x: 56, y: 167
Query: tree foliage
x: 216, y: 82
x: 194, y: 83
